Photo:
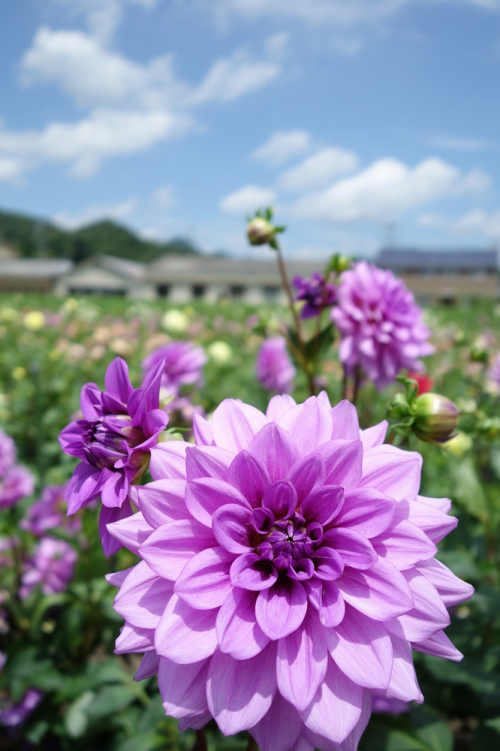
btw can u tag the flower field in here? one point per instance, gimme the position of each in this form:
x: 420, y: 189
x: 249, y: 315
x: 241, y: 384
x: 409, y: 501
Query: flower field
x: 61, y: 684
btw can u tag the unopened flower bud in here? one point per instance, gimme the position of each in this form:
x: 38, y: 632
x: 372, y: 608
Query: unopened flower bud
x: 436, y: 418
x: 260, y: 231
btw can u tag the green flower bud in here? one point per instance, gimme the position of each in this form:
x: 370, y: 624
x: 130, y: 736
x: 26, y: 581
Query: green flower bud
x: 436, y: 418
x: 260, y: 231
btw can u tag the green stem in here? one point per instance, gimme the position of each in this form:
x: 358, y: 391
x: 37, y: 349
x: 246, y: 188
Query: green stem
x: 201, y: 741
x: 252, y: 745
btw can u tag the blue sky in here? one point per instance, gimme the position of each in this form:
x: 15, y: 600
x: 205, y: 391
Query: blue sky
x: 357, y: 119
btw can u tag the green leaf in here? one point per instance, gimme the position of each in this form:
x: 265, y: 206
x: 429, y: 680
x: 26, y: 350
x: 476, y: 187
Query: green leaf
x: 75, y: 719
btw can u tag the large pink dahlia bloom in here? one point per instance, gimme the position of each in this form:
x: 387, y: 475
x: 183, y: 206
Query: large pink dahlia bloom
x: 381, y: 325
x: 287, y: 571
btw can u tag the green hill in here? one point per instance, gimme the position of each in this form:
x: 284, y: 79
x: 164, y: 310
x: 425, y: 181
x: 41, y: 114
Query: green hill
x: 35, y: 238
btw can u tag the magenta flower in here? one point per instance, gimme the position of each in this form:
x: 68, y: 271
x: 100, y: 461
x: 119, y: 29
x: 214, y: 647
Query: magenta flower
x: 273, y: 366
x: 17, y: 483
x: 182, y: 365
x: 47, y: 513
x: 7, y: 453
x: 317, y: 292
x: 113, y: 442
x: 51, y: 566
x: 287, y: 571
x: 381, y: 325
x: 15, y: 714
x: 494, y: 371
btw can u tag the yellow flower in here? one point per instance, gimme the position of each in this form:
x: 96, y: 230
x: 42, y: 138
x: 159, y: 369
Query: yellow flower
x: 220, y: 352
x: 34, y: 320
x: 175, y: 321
x: 19, y: 373
x: 459, y: 444
x: 8, y: 314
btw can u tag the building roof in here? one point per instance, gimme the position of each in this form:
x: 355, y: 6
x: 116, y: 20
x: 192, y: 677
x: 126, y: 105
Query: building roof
x: 413, y: 258
x: 122, y: 267
x: 34, y: 268
x: 210, y: 270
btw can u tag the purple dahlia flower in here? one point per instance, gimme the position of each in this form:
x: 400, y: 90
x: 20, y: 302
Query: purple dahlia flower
x: 273, y: 366
x: 182, y: 365
x: 381, y: 325
x: 7, y: 453
x: 15, y: 714
x: 113, y: 442
x: 287, y: 572
x: 493, y: 371
x: 317, y: 293
x: 51, y: 566
x: 47, y: 513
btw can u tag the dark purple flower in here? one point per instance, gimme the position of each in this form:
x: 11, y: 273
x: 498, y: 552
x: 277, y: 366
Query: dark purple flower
x: 16, y: 714
x: 182, y: 365
x: 51, y: 566
x: 274, y: 368
x: 317, y: 292
x: 113, y: 441
x: 381, y: 325
x: 48, y: 513
x: 7, y: 453
x: 17, y: 483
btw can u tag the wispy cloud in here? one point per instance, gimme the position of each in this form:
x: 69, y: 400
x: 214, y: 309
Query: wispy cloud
x: 454, y: 143
x: 96, y: 213
x: 282, y: 146
x: 247, y: 199
x: 319, y: 169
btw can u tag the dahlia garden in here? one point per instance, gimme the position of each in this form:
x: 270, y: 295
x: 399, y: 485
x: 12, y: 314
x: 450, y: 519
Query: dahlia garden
x: 275, y: 528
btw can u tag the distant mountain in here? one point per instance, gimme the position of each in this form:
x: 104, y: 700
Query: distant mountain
x: 35, y: 238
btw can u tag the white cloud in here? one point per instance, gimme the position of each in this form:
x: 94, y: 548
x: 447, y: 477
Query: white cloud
x: 231, y: 78
x: 431, y: 221
x: 247, y: 199
x: 102, y: 16
x: 319, y: 169
x: 348, y: 46
x: 163, y: 198
x: 93, y: 214
x: 11, y: 168
x: 314, y: 12
x: 282, y: 146
x: 479, y: 222
x: 382, y: 192
x: 454, y: 143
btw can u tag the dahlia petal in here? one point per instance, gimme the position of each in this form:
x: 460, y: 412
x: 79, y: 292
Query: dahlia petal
x: 117, y: 578
x: 231, y: 525
x: 149, y: 666
x: 107, y: 516
x: 249, y: 475
x: 438, y: 645
x: 280, y: 727
x: 117, y: 381
x: 281, y: 499
x: 352, y: 740
x: 428, y: 518
x: 114, y: 490
x: 204, y: 581
x: 345, y: 422
x: 452, y: 590
x: 133, y: 639
x: 354, y: 549
x: 162, y: 501
x: 323, y: 504
x: 84, y: 486
x: 240, y: 692
x: 374, y: 436
x: 168, y: 460
x: 207, y: 461
x: 278, y: 406
x: 185, y: 635
x: 281, y: 608
x: 183, y: 687
x: 403, y: 684
x: 362, y: 649
x: 238, y: 633
x: 143, y: 597
x: 336, y: 708
x: 302, y: 661
x: 202, y: 431
x: 441, y: 504
x: 274, y: 447
x: 90, y: 398
x: 328, y: 564
x: 366, y: 511
x: 324, y: 399
x: 194, y: 722
x: 380, y: 592
x: 307, y: 474
x: 343, y: 462
x: 309, y: 425
x: 206, y: 495
x: 332, y: 606
x: 251, y: 572
x: 394, y: 472
x: 428, y: 614
x: 131, y: 532
x: 404, y: 545
x: 171, y: 546
x: 234, y: 424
